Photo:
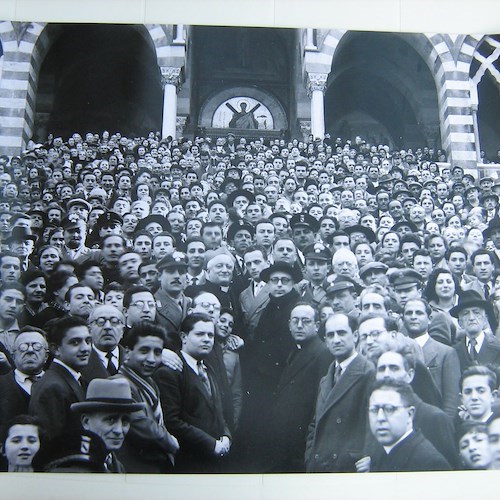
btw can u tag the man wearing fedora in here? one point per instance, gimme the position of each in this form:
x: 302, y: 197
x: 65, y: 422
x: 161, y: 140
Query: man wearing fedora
x: 106, y: 412
x: 475, y: 316
x: 22, y: 243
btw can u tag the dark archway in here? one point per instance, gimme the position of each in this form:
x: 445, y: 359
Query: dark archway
x: 233, y: 58
x: 98, y: 77
x: 381, y: 89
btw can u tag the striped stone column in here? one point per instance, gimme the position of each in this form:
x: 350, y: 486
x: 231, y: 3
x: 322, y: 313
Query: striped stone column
x: 451, y: 74
x: 18, y: 84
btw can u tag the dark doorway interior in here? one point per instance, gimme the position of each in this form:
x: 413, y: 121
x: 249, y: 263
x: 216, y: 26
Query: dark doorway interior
x: 95, y: 78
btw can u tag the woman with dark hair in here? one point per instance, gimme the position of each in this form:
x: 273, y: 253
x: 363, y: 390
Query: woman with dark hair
x: 20, y: 442
x: 48, y: 257
x: 442, y: 293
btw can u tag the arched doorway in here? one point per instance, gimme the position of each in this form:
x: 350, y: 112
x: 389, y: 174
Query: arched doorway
x: 486, y: 68
x: 95, y: 78
x: 254, y: 66
x: 381, y: 89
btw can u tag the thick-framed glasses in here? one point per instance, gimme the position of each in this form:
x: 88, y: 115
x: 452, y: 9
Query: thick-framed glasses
x: 283, y: 281
x: 208, y: 305
x: 304, y: 321
x: 113, y: 321
x: 388, y: 410
x: 373, y: 335
x: 36, y: 346
x: 141, y: 303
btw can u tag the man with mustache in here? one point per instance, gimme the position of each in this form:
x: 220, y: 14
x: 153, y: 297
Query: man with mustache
x: 172, y: 305
x: 62, y: 385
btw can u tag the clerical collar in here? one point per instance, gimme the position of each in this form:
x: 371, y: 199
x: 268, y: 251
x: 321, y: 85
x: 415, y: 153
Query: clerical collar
x: 388, y: 449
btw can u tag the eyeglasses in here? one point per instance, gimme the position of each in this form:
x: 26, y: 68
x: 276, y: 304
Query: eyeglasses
x: 387, y: 409
x: 304, y: 321
x: 141, y: 303
x: 208, y: 305
x: 373, y: 335
x: 284, y: 281
x: 36, y: 346
x: 113, y: 321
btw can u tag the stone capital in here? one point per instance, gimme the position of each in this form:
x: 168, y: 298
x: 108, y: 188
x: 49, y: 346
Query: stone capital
x: 170, y: 76
x: 316, y: 81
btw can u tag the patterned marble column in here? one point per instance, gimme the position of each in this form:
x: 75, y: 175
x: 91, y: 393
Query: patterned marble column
x: 171, y: 83
x: 316, y: 85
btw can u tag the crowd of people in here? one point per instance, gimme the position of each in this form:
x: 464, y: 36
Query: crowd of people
x: 233, y: 305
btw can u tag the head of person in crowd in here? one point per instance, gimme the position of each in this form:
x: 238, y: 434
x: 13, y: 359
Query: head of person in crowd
x: 113, y: 247
x: 281, y: 278
x: 211, y: 234
x: 405, y: 284
x: 90, y: 273
x: 256, y: 260
x: 113, y: 295
x: 48, y: 256
x: 391, y: 410
x: 128, y: 265
x: 197, y: 335
x: 144, y: 343
x: 139, y: 305
x: 304, y: 323
x: 12, y: 299
x: 475, y: 315
x: 106, y: 327
x: 378, y: 334
x: 206, y: 303
x: 342, y: 295
x: 220, y: 269
x: 10, y: 267
x: 304, y: 227
x: 494, y: 440
x: 80, y: 300
x: 224, y: 325
x: 341, y: 336
x: 344, y: 263
x: 106, y: 411
x: 318, y: 258
x: 374, y: 299
x: 149, y: 275
x: 30, y: 351
x: 478, y: 389
x: 70, y: 341
x: 473, y: 445
x: 456, y: 259
x: 34, y: 282
x: 21, y: 242
x: 143, y: 244
x: 20, y: 440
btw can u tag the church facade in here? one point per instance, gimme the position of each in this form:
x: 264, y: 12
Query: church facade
x: 401, y: 89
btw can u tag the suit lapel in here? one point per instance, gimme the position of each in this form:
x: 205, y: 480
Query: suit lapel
x: 347, y: 380
x: 70, y: 380
x: 303, y: 358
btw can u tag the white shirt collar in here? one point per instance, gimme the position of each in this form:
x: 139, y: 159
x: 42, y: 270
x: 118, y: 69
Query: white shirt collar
x: 104, y: 359
x: 74, y: 373
x: 422, y: 339
x: 192, y: 363
x: 344, y: 364
x: 479, y: 342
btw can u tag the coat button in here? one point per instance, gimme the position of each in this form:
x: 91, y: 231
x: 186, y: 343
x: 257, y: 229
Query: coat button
x: 316, y: 456
x: 339, y: 420
x: 334, y: 456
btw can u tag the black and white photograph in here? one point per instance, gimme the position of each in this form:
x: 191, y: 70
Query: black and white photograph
x: 259, y: 250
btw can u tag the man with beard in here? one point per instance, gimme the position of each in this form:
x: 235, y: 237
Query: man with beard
x: 30, y: 355
x: 61, y: 386
x: 172, y: 304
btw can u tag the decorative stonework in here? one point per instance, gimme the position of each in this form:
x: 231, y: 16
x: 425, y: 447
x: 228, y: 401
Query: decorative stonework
x: 171, y: 76
x: 180, y: 123
x: 316, y: 81
x: 20, y: 29
x: 305, y: 128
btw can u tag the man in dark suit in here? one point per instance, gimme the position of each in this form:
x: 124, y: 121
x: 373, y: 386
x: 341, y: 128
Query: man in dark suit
x: 337, y: 434
x: 191, y: 401
x: 239, y: 236
x: 296, y: 394
x: 106, y: 327
x: 254, y: 298
x: 402, y: 449
x: 478, y: 347
x: 483, y: 267
x: 53, y: 394
x: 30, y: 354
x: 441, y: 360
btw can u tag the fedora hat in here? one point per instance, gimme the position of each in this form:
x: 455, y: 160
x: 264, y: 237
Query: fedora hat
x: 20, y: 233
x: 295, y: 274
x: 471, y: 298
x: 111, y: 394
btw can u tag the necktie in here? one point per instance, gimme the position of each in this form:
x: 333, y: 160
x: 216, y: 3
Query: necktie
x: 486, y: 291
x: 472, y: 349
x: 202, y: 373
x: 338, y: 373
x: 111, y: 367
x: 195, y: 281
